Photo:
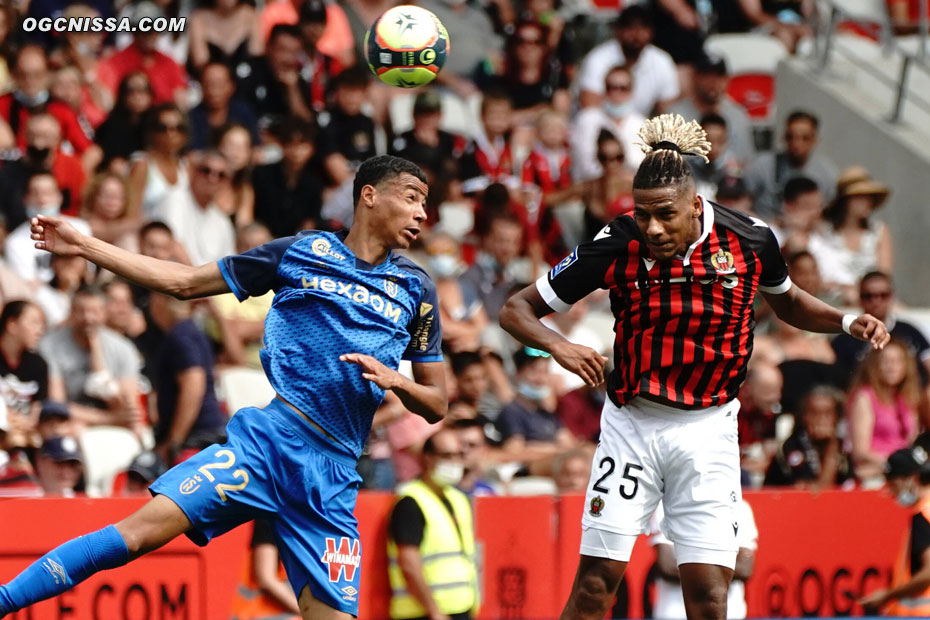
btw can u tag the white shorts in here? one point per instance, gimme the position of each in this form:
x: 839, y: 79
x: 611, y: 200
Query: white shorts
x: 688, y: 459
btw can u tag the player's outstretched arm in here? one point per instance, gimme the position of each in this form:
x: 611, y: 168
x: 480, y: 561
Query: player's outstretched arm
x: 520, y: 318
x: 181, y: 281
x: 804, y: 311
x: 424, y: 396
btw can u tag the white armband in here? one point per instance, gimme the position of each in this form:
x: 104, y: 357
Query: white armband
x: 848, y: 320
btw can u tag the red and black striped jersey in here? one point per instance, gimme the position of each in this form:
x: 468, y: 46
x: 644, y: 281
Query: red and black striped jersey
x: 683, y: 326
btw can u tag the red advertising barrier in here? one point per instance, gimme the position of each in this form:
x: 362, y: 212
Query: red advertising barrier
x: 817, y: 554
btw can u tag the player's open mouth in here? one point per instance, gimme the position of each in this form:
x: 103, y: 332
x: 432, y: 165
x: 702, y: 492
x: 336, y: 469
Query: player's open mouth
x: 412, y: 232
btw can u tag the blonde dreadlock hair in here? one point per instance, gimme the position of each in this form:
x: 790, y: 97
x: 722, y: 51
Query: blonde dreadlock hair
x: 666, y: 139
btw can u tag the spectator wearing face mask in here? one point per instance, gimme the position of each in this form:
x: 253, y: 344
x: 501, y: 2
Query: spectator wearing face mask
x: 431, y: 542
x: 42, y: 198
x: 618, y: 115
x: 462, y: 314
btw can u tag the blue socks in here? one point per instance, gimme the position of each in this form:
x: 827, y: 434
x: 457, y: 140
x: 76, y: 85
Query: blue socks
x: 63, y: 568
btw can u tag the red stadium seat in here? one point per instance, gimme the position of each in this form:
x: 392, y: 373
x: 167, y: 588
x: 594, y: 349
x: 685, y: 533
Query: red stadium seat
x: 755, y: 92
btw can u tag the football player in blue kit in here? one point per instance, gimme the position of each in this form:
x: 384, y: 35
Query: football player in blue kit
x: 346, y: 310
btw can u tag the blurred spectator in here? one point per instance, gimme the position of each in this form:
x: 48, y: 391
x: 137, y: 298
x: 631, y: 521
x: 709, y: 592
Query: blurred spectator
x: 92, y: 367
x: 431, y: 539
x: 760, y: 398
x: 173, y: 44
x: 225, y: 32
x: 241, y: 325
x: 528, y: 425
x: 876, y: 297
x: 786, y: 20
x: 491, y: 279
x: 612, y: 194
x: 488, y: 158
x: 17, y: 476
x: 460, y: 308
x: 237, y: 199
x: 804, y: 271
x: 800, y: 219
x: 724, y: 161
x: 669, y: 599
x: 54, y: 420
x: 855, y: 242
x: 532, y: 75
x: 142, y: 472
x: 123, y: 131
x: 908, y: 477
x: 732, y: 193
x: 813, y: 456
x: 709, y: 98
x: 218, y: 108
x: 106, y: 209
x: 474, y: 450
x: 42, y: 154
x: 122, y: 316
x: 8, y: 26
x: 617, y: 115
x: 23, y: 372
x: 273, y: 87
x: 263, y: 591
x: 66, y: 87
x: 570, y: 325
x: 42, y: 198
x: 472, y: 385
x: 572, y: 471
x: 167, y: 78
x: 60, y: 466
x: 427, y: 144
x: 160, y: 173
x: 68, y: 274
x: 883, y: 408
x: 904, y: 15
x: 347, y: 134
x: 767, y: 174
x: 204, y: 231
x: 655, y: 79
x: 475, y: 39
x: 31, y: 96
x: 288, y: 193
x: 580, y: 411
x: 318, y: 66
x: 189, y: 416
x: 81, y: 52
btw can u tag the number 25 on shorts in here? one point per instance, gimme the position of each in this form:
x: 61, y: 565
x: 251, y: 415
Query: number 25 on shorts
x: 239, y: 474
x: 627, y: 490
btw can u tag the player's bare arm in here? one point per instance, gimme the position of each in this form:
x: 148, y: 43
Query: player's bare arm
x: 804, y: 311
x: 520, y: 317
x: 424, y: 396
x: 175, y: 279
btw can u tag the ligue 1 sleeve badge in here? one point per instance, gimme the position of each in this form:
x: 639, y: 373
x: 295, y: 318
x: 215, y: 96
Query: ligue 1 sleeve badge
x: 597, y: 505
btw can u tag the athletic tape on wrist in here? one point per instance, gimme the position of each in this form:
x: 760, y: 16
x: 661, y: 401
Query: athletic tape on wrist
x: 847, y: 322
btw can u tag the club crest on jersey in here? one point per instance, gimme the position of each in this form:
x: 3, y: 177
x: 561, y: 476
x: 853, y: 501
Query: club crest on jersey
x: 565, y: 262
x: 723, y: 262
x: 390, y: 286
x: 343, y: 560
x: 321, y: 247
x: 597, y: 505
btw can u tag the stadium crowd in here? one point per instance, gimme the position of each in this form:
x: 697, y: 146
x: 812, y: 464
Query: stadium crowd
x: 249, y: 124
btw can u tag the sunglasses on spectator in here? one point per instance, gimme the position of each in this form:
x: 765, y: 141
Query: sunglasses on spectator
x: 207, y: 171
x: 604, y: 158
x: 876, y: 295
x: 625, y: 87
x: 165, y: 127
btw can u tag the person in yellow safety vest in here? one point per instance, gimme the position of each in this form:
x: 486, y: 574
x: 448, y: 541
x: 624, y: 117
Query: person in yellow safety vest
x: 431, y: 542
x: 264, y: 593
x: 908, y: 474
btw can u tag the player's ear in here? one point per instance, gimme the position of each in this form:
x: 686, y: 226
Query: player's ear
x: 697, y: 205
x: 369, y: 193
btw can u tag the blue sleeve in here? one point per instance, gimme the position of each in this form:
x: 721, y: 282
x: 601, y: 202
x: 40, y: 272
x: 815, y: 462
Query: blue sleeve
x: 425, y: 330
x: 254, y: 273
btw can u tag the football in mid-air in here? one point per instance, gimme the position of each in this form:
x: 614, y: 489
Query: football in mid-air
x: 407, y: 46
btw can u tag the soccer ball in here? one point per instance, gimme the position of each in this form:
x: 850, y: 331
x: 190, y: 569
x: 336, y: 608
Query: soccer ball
x: 407, y: 46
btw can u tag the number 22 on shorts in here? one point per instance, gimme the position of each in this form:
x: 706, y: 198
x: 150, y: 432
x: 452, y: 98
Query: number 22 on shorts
x: 222, y: 487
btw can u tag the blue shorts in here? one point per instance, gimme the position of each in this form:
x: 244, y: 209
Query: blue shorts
x: 274, y: 465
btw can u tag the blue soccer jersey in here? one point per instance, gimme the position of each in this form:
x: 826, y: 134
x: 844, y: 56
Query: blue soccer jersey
x: 327, y: 303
